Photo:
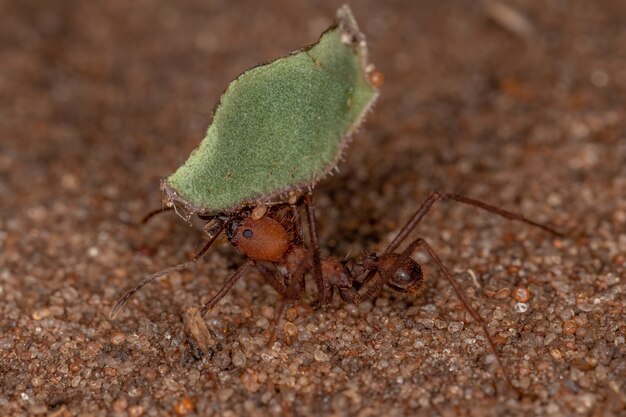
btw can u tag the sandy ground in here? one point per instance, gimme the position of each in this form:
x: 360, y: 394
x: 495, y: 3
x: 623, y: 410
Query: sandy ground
x: 522, y: 107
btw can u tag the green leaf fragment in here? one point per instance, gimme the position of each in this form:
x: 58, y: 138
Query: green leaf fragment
x: 280, y: 126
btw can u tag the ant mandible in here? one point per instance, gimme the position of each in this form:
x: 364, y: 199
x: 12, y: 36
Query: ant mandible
x: 283, y: 260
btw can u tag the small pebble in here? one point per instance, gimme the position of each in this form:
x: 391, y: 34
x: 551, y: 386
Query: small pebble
x: 556, y: 354
x: 521, y: 294
x: 290, y: 329
x: 569, y: 327
x: 185, y: 406
x: 250, y: 381
x: 502, y: 293
x: 117, y: 338
x: 263, y: 323
x: 120, y: 404
x: 521, y: 307
x: 267, y: 312
x: 41, y: 313
x: 320, y: 356
x: 455, y: 326
x: 135, y: 410
x: 239, y: 359
x: 225, y: 394
x: 291, y: 314
x: 550, y: 337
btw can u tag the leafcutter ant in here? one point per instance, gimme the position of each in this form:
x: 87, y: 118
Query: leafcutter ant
x: 273, y: 242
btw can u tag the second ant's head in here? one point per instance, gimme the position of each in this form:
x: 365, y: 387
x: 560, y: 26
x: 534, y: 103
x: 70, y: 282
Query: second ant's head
x: 262, y: 239
x: 407, y: 278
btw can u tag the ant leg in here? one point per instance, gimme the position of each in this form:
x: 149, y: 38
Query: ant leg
x: 297, y: 221
x: 434, y: 196
x: 280, y: 288
x: 153, y: 213
x: 230, y: 282
x: 209, y: 243
x: 129, y: 294
x: 464, y: 301
x: 276, y: 322
x: 292, y: 292
x: 271, y: 279
x: 402, y: 235
x: 455, y: 286
x: 323, y: 287
x: 295, y: 290
x: 428, y: 204
x: 295, y: 287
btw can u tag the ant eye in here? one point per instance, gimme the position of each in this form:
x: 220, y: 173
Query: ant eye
x: 247, y: 233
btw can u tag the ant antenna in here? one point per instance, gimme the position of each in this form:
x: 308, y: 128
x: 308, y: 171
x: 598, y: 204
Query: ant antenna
x: 154, y: 213
x: 130, y: 293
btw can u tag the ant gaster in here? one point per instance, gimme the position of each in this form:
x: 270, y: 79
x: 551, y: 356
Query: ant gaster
x: 275, y: 246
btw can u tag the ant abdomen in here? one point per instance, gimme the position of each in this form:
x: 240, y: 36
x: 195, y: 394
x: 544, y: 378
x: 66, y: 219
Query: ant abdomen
x: 407, y: 277
x: 264, y: 239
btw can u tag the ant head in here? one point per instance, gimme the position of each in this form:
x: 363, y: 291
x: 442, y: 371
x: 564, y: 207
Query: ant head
x: 337, y: 273
x: 263, y: 239
x: 214, y: 224
x: 407, y: 278
x: 363, y: 264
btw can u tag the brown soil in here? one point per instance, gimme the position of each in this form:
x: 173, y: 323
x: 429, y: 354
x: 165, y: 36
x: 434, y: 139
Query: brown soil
x: 101, y: 99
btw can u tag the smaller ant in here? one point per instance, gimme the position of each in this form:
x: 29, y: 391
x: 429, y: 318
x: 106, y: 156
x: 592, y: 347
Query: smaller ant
x: 274, y: 245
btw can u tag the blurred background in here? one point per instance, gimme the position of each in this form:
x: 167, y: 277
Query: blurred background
x: 519, y: 103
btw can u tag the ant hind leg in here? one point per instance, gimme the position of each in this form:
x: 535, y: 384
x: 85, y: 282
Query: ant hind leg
x: 435, y: 196
x: 425, y: 207
x: 459, y: 292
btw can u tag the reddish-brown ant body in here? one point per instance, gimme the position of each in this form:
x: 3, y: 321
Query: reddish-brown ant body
x: 273, y: 242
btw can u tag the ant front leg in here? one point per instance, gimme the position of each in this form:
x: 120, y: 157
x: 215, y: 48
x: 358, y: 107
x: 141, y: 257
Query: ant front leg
x: 270, y: 277
x: 291, y: 288
x: 130, y: 293
x: 230, y: 282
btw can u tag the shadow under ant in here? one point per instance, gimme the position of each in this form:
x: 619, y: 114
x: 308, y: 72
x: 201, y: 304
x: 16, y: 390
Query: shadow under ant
x: 273, y: 241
